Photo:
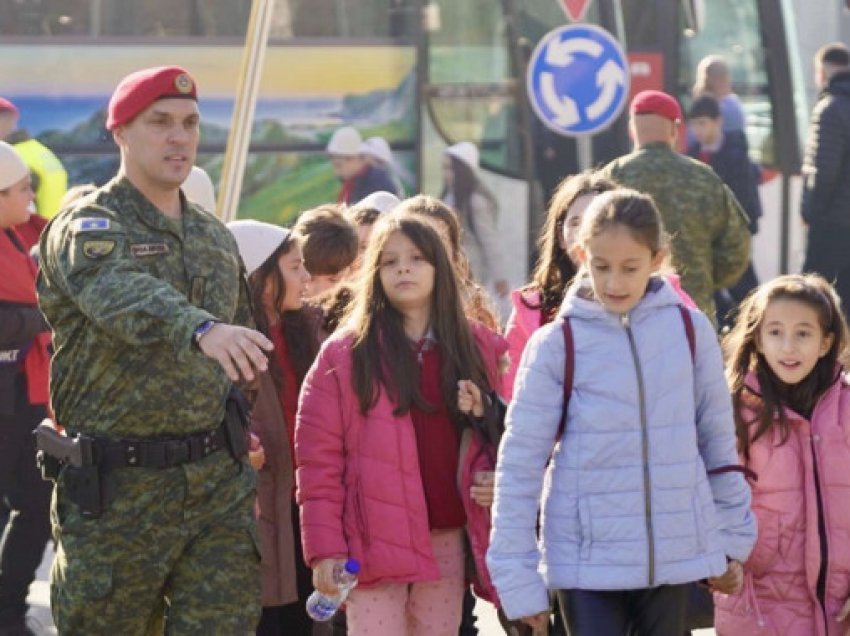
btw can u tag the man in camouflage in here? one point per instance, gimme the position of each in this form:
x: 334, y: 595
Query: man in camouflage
x: 710, y: 242
x: 145, y: 295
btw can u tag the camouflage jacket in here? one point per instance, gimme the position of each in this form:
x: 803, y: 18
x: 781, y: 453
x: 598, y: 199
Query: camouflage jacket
x: 124, y: 288
x: 710, y: 242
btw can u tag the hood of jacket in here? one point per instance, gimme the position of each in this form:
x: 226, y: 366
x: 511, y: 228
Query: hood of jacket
x: 580, y: 301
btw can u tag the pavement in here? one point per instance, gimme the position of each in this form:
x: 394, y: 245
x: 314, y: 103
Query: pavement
x: 42, y: 621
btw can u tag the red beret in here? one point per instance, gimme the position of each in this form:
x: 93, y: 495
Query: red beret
x: 139, y: 90
x: 656, y: 103
x: 5, y: 104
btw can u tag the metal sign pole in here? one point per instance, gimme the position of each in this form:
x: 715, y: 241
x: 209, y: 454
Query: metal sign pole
x: 236, y: 153
x: 584, y: 145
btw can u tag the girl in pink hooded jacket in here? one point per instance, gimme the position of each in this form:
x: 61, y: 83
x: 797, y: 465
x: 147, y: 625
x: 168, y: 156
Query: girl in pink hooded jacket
x: 537, y: 303
x: 393, y: 423
x: 786, y: 358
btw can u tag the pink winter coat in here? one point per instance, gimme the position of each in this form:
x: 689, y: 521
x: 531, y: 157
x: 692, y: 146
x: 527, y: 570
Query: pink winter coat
x: 780, y: 577
x: 524, y: 320
x: 358, y: 478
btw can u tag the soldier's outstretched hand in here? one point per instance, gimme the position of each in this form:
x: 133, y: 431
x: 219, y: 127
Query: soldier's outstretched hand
x: 240, y: 351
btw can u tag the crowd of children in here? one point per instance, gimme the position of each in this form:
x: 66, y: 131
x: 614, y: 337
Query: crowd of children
x: 638, y: 456
x: 607, y: 452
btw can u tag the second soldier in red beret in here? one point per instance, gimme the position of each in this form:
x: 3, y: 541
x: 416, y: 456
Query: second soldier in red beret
x: 710, y: 241
x: 144, y: 291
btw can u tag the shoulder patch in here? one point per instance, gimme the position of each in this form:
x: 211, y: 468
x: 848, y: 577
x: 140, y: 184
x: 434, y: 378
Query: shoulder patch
x: 91, y: 224
x: 98, y: 249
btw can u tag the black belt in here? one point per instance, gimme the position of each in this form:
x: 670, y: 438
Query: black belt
x: 160, y: 453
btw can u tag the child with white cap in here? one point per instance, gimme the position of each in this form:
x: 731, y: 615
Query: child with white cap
x: 24, y: 362
x: 378, y: 152
x: 477, y: 209
x: 359, y: 178
x: 277, y: 282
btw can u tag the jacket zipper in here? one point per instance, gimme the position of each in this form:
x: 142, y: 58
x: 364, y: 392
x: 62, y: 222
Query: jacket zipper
x: 822, y: 535
x: 647, y: 488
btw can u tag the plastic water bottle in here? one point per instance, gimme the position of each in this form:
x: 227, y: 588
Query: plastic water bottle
x: 322, y: 607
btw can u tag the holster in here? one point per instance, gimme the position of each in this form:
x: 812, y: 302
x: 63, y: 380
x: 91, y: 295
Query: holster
x: 88, y: 487
x: 84, y: 481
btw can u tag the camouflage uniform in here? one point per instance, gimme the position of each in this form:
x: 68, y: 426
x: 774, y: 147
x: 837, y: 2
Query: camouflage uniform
x: 124, y: 288
x: 710, y: 242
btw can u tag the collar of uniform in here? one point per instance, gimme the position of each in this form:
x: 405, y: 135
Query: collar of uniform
x: 656, y: 145
x: 147, y: 212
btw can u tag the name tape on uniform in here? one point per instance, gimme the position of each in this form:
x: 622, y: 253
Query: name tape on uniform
x: 148, y: 249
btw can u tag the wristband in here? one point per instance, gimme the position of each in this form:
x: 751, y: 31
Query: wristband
x: 202, y: 330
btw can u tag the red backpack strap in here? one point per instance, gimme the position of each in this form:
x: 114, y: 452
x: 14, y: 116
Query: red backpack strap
x: 569, y: 369
x: 689, y: 330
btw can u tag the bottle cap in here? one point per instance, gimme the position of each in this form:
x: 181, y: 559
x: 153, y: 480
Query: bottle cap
x: 352, y: 566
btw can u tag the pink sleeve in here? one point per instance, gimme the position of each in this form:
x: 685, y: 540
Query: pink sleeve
x: 517, y: 335
x: 676, y: 284
x: 320, y: 461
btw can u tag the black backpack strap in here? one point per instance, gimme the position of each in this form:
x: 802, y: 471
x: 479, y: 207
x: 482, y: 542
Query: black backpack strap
x: 689, y: 331
x: 569, y: 369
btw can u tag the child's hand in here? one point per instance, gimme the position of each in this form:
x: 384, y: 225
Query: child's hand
x: 256, y: 454
x: 731, y: 581
x: 323, y: 576
x: 538, y: 622
x: 482, y: 491
x: 469, y: 398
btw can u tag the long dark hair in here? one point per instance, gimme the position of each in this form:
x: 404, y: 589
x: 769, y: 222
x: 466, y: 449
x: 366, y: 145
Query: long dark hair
x: 466, y: 183
x: 477, y: 303
x: 382, y: 353
x: 555, y: 269
x: 299, y: 332
x: 742, y: 356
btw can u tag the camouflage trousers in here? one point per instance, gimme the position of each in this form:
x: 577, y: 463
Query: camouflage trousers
x: 180, y: 541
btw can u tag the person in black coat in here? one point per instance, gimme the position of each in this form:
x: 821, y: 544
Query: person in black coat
x: 826, y: 173
x: 726, y: 153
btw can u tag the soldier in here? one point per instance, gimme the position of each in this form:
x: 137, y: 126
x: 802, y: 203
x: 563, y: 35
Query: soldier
x: 145, y: 293
x: 710, y: 241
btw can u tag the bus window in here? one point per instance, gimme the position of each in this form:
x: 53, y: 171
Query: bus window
x: 732, y: 29
x: 469, y: 88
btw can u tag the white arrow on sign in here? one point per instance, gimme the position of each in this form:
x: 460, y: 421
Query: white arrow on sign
x: 565, y: 109
x: 560, y: 53
x: 609, y: 77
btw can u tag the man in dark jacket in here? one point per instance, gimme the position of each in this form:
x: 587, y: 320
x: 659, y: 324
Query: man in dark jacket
x: 826, y: 173
x: 726, y: 153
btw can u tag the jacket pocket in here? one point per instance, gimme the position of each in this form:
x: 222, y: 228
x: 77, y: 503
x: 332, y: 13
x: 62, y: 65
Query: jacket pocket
x: 585, y: 529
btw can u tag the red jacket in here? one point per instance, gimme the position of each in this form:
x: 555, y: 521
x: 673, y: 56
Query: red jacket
x: 359, y: 485
x: 780, y: 577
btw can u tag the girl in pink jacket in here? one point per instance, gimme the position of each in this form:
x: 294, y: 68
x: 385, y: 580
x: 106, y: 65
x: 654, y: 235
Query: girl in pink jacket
x: 786, y: 358
x: 394, y: 421
x: 537, y: 303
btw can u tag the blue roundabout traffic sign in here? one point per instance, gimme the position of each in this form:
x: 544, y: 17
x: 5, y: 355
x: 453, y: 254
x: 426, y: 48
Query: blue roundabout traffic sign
x: 578, y: 79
